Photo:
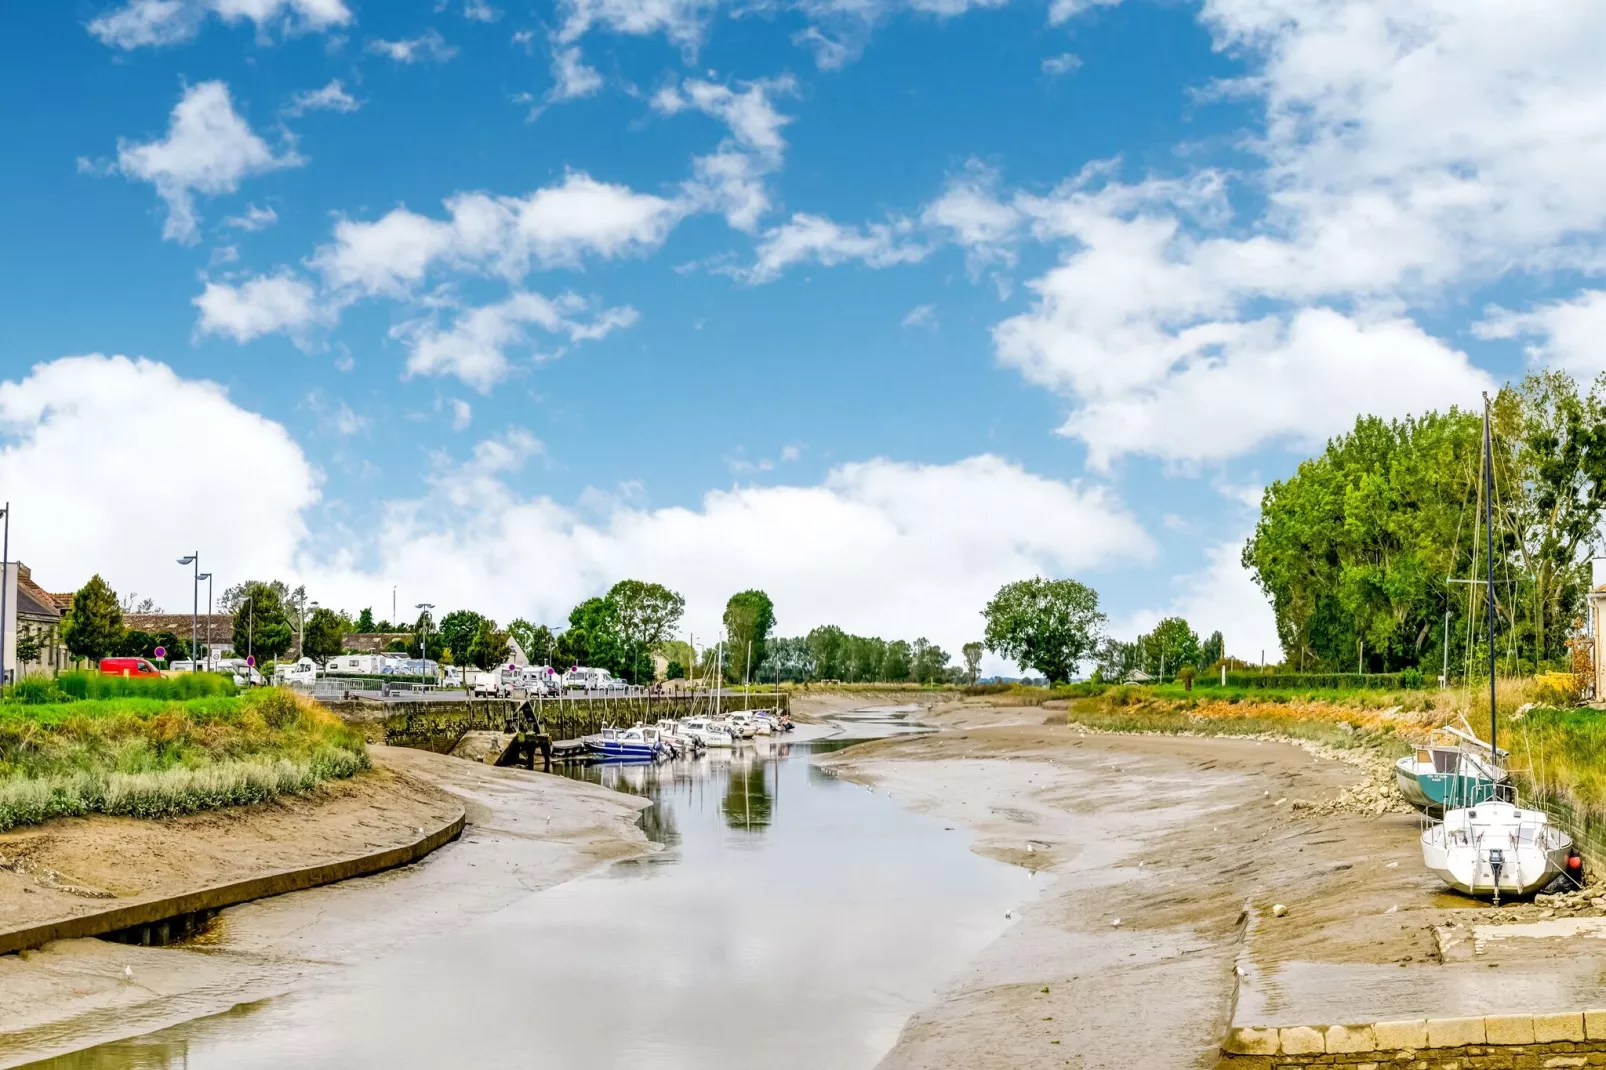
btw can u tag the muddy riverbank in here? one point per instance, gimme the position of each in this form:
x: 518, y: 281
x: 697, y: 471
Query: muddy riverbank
x: 526, y: 831
x: 1153, y: 848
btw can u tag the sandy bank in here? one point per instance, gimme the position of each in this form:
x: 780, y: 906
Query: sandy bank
x: 817, y: 705
x: 1171, y: 837
x: 527, y: 831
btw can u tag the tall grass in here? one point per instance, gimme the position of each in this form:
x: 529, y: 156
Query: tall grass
x: 145, y: 756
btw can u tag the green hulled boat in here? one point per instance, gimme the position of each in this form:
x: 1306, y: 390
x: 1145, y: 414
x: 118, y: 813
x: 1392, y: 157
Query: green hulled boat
x: 1451, y: 772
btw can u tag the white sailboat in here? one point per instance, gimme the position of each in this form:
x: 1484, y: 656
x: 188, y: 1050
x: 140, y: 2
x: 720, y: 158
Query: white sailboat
x: 1495, y: 846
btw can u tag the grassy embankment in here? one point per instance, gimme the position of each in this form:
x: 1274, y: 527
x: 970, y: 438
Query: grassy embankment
x: 1558, y: 755
x: 86, y: 744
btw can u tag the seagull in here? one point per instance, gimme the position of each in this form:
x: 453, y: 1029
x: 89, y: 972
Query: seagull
x: 128, y: 973
x: 1031, y: 849
x: 1116, y: 924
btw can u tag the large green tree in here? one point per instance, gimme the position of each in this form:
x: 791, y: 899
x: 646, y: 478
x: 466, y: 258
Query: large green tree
x: 749, y: 619
x: 593, y: 638
x: 645, y: 615
x: 94, y: 627
x: 536, y: 640
x: 828, y: 648
x: 489, y: 647
x: 262, y: 624
x: 972, y: 652
x: 457, y: 631
x: 930, y: 662
x: 1047, y: 625
x: 365, y: 622
x: 326, y: 634
x: 1171, y: 645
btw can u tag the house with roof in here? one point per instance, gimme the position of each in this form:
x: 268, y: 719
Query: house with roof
x: 33, y: 625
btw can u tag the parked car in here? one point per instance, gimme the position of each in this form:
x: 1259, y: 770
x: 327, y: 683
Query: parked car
x: 127, y: 667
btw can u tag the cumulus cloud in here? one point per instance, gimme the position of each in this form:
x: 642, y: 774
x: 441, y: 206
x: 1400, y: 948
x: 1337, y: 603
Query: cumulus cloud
x: 1571, y: 335
x: 474, y: 348
x: 572, y: 76
x: 253, y: 219
x: 96, y: 414
x: 429, y: 46
x: 262, y: 305
x: 880, y: 547
x: 809, y: 238
x: 554, y: 226
x: 332, y: 97
x: 731, y: 180
x: 208, y: 150
x: 154, y: 23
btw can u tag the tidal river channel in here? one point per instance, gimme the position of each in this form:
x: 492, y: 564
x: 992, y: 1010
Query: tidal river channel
x: 790, y: 919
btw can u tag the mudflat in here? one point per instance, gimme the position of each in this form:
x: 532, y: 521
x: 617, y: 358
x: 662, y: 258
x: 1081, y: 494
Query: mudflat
x: 1159, y: 853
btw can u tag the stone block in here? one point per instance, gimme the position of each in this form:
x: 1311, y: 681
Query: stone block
x: 1454, y: 1032
x: 1566, y: 1060
x: 1301, y: 1040
x: 1349, y: 1038
x: 1391, y: 1036
x: 1250, y: 1041
x: 1508, y: 1029
x: 1550, y: 1028
x: 1595, y: 1025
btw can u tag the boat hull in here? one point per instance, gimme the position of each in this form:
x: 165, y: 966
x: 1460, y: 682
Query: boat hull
x: 616, y: 751
x: 1509, y: 852
x: 1436, y: 791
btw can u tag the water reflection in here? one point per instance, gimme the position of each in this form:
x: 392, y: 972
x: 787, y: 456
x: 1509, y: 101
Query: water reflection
x: 793, y: 921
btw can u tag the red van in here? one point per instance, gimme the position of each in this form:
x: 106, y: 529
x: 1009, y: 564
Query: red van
x: 127, y: 667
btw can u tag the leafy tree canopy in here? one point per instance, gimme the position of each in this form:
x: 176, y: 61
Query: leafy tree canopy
x: 326, y: 633
x: 972, y: 653
x: 1047, y: 625
x: 749, y: 619
x: 94, y: 627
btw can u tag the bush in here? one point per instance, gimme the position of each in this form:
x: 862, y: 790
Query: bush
x: 1411, y: 679
x: 1318, y: 681
x: 93, y: 685
x: 35, y: 689
x: 1556, y: 689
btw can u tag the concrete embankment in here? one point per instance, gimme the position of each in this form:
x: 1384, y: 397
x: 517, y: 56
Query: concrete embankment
x: 1483, y: 1042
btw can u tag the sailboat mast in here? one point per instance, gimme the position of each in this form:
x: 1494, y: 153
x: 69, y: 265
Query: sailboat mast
x: 1488, y: 531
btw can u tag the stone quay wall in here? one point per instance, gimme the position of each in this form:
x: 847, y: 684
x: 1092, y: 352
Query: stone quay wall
x: 1491, y: 1042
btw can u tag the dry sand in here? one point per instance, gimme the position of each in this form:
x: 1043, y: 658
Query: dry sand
x: 526, y: 832
x: 1154, y: 846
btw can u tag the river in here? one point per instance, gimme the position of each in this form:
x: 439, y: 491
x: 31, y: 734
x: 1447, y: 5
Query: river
x: 790, y: 919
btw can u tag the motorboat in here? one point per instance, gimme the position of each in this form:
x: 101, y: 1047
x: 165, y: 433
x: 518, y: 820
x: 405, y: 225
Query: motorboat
x: 712, y: 733
x: 1495, y: 848
x: 629, y: 744
x: 762, y: 725
x: 676, y: 733
x: 1455, y: 769
x: 741, y: 724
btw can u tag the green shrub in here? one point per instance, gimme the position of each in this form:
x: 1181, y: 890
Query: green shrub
x: 93, y: 685
x: 1316, y: 681
x: 1411, y: 679
x: 35, y: 689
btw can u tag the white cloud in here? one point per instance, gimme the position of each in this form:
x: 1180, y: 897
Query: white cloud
x: 1573, y: 332
x: 572, y: 77
x: 344, y: 421
x: 1220, y: 597
x: 480, y: 11
x: 806, y: 238
x: 681, y: 21
x: 1064, y: 63
x: 253, y: 219
x: 555, y: 226
x: 462, y: 414
x: 1065, y: 10
x: 877, y: 547
x: 263, y: 305
x: 332, y: 97
x: 81, y: 414
x: 475, y: 347
x: 970, y: 212
x: 429, y: 46
x: 731, y: 179
x: 208, y: 150
x: 920, y: 316
x: 142, y: 23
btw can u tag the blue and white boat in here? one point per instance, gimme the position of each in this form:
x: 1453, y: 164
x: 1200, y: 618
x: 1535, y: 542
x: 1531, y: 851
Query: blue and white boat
x: 630, y: 744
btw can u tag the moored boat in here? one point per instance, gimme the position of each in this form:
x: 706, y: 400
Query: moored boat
x: 1495, y: 848
x: 1454, y: 769
x: 630, y: 744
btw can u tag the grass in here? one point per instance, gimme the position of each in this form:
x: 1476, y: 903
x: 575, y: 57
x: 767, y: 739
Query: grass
x: 143, y: 755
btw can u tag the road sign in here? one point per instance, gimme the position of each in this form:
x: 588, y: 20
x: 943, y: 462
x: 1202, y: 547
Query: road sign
x: 251, y: 661
x: 161, y: 652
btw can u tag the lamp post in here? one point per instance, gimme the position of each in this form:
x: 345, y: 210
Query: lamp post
x: 195, y: 610
x: 207, y: 576
x: 7, y: 634
x: 424, y: 644
x: 250, y: 632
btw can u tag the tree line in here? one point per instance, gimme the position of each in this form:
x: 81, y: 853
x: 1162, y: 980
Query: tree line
x: 1364, y: 551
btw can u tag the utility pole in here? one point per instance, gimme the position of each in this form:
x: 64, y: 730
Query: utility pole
x: 1444, y: 677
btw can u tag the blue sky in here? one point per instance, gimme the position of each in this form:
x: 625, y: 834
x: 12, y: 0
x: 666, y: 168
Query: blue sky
x: 874, y: 304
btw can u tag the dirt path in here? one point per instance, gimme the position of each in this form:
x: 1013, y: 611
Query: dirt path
x: 526, y: 831
x: 1153, y: 846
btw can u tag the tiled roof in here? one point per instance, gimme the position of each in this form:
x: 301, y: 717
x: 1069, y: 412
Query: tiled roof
x: 222, y: 624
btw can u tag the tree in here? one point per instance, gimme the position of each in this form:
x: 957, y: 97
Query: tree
x: 94, y: 627
x: 749, y: 618
x: 27, y: 648
x: 536, y: 640
x: 1171, y: 645
x: 489, y: 646
x: 645, y: 615
x: 1212, y: 650
x: 592, y: 638
x: 261, y: 622
x: 135, y: 644
x: 897, y: 662
x: 456, y: 633
x: 425, y: 635
x: 676, y: 671
x: 233, y: 598
x: 326, y: 634
x: 828, y: 647
x: 786, y: 659
x: 1048, y: 625
x: 930, y: 663
x: 365, y: 622
x: 972, y: 652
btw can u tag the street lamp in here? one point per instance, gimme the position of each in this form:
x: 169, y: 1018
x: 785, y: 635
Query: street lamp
x: 314, y: 607
x: 424, y: 645
x: 195, y: 610
x: 250, y: 633
x: 207, y: 576
x: 8, y: 636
